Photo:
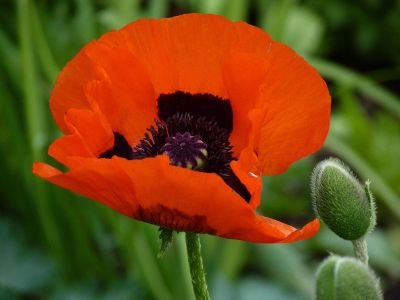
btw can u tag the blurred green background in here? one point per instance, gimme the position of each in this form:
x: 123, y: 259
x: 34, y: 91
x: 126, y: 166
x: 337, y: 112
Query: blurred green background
x: 56, y: 245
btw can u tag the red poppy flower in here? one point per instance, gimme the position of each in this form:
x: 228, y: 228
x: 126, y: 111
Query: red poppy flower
x: 174, y: 121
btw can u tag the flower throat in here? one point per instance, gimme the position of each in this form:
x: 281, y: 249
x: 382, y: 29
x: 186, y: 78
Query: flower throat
x: 193, y: 130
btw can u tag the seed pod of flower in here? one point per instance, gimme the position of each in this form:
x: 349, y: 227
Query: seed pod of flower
x: 341, y: 201
x: 346, y: 278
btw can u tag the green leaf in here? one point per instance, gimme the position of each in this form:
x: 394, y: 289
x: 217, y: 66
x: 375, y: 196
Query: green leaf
x: 341, y: 74
x: 258, y: 289
x: 285, y: 264
x: 303, y: 30
x: 166, y: 237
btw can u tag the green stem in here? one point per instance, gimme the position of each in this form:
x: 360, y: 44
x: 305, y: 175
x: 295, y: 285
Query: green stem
x: 196, y: 266
x: 361, y: 249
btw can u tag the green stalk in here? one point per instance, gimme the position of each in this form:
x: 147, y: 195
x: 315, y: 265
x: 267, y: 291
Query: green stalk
x: 10, y: 62
x: 157, y: 8
x: 138, y: 255
x: 149, y: 267
x: 360, y: 248
x: 49, y: 65
x: 236, y: 10
x: 33, y: 107
x: 35, y: 123
x: 196, y: 266
x: 184, y: 267
x: 232, y: 258
x: 85, y: 20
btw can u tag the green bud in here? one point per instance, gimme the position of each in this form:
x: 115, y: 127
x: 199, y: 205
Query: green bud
x: 341, y: 201
x: 346, y: 278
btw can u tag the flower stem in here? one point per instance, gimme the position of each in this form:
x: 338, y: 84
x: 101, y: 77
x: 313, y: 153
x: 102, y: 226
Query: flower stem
x: 361, y: 249
x: 193, y: 247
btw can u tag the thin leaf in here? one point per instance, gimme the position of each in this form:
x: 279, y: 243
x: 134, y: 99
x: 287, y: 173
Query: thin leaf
x: 340, y: 74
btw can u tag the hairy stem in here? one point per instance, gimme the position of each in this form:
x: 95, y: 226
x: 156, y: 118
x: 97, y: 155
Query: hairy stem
x: 361, y: 249
x: 196, y: 266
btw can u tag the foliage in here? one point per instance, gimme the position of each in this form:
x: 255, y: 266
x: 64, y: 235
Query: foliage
x: 85, y: 251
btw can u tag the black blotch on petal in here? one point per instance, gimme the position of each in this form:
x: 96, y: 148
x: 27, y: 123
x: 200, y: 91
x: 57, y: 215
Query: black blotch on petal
x: 197, y: 105
x: 219, y: 149
x: 121, y: 148
x: 204, y: 115
x: 234, y: 182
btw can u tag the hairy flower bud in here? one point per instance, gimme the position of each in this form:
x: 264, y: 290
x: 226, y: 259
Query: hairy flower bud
x: 341, y: 201
x: 346, y: 278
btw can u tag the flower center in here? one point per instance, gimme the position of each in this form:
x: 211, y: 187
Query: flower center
x: 193, y: 130
x: 186, y: 150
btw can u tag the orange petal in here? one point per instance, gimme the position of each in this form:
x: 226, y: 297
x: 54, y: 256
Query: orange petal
x: 106, y: 76
x: 261, y: 232
x: 188, y: 52
x: 306, y: 232
x: 296, y: 108
x: 90, y: 126
x: 68, y: 91
x: 244, y: 74
x: 251, y: 180
x: 98, y: 179
x: 199, y: 195
x: 90, y: 136
x: 151, y: 190
x: 63, y: 148
x: 125, y: 96
x: 202, y: 196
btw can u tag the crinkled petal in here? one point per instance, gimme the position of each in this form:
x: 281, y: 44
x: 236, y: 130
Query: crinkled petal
x: 105, y: 75
x: 296, y: 108
x: 153, y: 191
x: 90, y: 135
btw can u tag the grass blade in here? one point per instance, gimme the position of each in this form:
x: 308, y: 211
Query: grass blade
x: 46, y: 58
x: 340, y: 74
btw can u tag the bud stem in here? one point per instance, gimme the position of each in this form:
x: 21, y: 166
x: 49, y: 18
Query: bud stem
x: 196, y: 266
x: 361, y: 249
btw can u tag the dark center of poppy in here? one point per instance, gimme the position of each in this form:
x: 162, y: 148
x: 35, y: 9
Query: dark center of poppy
x: 185, y: 150
x: 193, y: 130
